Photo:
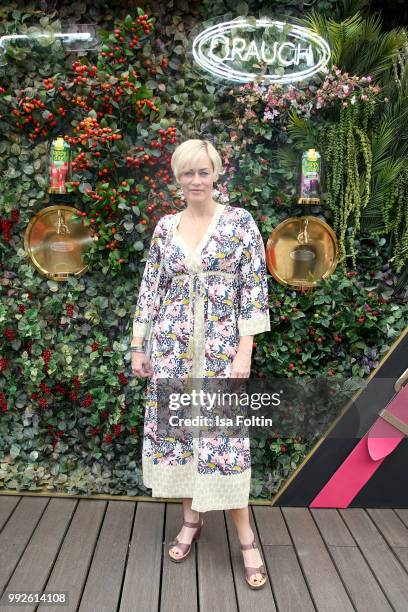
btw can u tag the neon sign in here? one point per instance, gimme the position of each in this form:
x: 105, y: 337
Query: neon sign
x: 281, y: 52
x: 84, y: 38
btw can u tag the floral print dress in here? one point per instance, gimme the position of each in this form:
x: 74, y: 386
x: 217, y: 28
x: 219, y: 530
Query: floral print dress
x: 207, y: 298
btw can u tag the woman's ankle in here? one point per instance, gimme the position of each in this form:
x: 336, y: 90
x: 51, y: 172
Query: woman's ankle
x: 246, y: 537
x: 191, y: 516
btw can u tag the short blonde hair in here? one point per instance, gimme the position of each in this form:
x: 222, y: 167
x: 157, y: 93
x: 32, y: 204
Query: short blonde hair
x: 189, y: 150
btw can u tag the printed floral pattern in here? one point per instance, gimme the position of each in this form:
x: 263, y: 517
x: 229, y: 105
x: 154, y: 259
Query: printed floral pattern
x: 206, y: 299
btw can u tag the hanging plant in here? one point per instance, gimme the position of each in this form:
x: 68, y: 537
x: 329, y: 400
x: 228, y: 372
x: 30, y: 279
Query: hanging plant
x: 348, y: 160
x: 395, y: 212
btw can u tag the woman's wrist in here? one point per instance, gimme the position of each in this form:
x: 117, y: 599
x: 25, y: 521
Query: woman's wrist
x: 245, y: 345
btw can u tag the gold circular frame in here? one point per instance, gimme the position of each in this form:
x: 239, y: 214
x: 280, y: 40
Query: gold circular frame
x: 301, y: 251
x: 55, y: 242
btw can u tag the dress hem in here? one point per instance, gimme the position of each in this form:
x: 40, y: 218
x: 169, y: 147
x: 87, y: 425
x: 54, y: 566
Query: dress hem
x: 207, y: 491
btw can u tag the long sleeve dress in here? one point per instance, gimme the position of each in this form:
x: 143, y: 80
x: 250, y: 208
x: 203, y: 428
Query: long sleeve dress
x: 208, y: 297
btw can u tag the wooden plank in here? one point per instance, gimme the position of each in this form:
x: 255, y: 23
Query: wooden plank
x: 360, y: 582
x: 403, y: 515
x: 74, y: 558
x: 356, y: 574
x: 246, y: 597
x: 332, y: 527
x: 142, y: 577
x: 271, y: 526
x: 394, y: 532
x: 387, y: 569
x: 17, y: 533
x: 325, y: 585
x: 7, y: 505
x: 215, y: 581
x: 35, y: 564
x: 179, y: 584
x: 286, y: 578
x: 390, y: 526
x: 288, y: 583
x: 104, y: 582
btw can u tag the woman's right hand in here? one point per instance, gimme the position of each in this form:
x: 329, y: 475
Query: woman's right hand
x: 141, y: 365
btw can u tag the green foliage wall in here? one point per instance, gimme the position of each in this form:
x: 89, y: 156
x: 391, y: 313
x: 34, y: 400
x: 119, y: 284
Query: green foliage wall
x: 71, y: 415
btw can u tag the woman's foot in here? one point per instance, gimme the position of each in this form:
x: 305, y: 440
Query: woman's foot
x: 185, y: 536
x: 252, y: 558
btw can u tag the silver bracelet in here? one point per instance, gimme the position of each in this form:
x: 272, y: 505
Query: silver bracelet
x: 137, y: 349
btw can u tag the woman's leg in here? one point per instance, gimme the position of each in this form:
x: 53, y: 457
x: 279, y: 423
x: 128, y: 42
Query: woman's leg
x: 252, y: 557
x: 186, y: 534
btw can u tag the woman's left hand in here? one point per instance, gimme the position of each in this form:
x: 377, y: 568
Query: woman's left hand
x: 241, y: 365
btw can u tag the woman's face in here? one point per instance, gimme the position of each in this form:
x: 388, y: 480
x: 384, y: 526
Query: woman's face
x: 197, y: 180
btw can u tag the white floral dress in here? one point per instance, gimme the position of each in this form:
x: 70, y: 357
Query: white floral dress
x: 208, y: 297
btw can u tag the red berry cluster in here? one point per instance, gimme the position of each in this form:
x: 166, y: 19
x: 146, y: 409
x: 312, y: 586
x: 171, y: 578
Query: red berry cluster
x: 44, y: 388
x: 76, y: 382
x: 69, y: 309
x: 28, y: 105
x: 80, y: 101
x: 167, y: 136
x: 5, y: 225
x: 46, y: 355
x: 3, y: 363
x: 103, y: 172
x: 43, y: 403
x: 3, y: 404
x: 122, y: 378
x: 74, y: 390
x: 60, y: 389
x: 48, y: 84
x: 25, y: 116
x: 91, y: 129
x: 88, y: 400
x: 82, y: 69
x: 134, y: 41
x: 80, y: 162
x: 8, y: 333
x: 143, y: 21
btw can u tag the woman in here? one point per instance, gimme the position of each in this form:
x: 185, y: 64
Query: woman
x: 211, y: 299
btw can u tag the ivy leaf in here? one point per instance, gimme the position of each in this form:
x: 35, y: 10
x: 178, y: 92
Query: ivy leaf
x: 14, y: 451
x: 128, y: 21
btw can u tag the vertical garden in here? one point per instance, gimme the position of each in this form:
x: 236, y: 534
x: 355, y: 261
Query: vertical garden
x: 71, y: 413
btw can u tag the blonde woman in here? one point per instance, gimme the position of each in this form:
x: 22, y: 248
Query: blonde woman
x: 212, y: 300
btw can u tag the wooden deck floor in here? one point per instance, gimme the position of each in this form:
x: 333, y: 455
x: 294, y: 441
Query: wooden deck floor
x: 111, y: 556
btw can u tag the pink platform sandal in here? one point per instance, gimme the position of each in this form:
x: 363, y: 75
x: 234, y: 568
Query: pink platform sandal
x: 186, y: 548
x: 250, y: 571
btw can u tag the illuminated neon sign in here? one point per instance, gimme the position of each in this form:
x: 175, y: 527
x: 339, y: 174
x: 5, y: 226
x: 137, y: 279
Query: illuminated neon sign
x: 84, y: 38
x: 280, y: 52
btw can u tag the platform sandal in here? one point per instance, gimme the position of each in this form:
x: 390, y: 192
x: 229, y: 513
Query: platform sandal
x: 186, y: 548
x: 250, y: 571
